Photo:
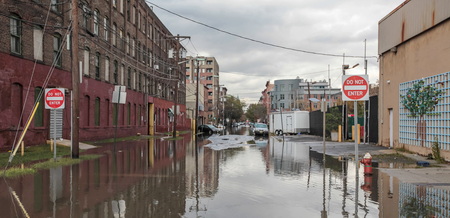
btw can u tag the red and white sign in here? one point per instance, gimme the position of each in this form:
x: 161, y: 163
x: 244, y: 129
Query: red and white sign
x: 54, y: 98
x: 355, y: 88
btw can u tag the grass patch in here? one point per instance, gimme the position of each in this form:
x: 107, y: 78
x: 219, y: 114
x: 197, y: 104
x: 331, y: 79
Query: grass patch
x: 130, y: 138
x: 397, y: 158
x: 17, y: 172
x: 50, y: 163
x: 32, y: 154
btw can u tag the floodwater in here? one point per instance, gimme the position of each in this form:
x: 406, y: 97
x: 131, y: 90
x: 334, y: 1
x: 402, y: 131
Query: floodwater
x: 219, y: 176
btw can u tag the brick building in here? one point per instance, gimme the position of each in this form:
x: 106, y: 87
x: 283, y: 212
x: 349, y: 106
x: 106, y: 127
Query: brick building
x: 119, y: 43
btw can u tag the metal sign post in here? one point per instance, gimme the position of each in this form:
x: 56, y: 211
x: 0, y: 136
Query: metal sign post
x: 54, y: 99
x: 354, y: 88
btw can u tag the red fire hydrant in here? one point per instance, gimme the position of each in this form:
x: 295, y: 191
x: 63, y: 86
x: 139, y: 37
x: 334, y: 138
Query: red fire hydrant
x: 367, y: 161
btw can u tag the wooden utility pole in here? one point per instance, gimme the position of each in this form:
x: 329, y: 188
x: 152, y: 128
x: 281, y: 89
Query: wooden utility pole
x: 75, y: 82
x: 177, y: 77
x: 196, y: 98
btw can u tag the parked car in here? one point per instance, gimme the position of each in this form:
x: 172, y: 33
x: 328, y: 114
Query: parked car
x: 260, y: 129
x: 207, y: 129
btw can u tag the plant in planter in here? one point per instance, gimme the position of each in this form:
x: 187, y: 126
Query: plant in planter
x: 333, y: 120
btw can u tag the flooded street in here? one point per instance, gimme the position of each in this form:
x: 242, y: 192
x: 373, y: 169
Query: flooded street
x: 219, y: 176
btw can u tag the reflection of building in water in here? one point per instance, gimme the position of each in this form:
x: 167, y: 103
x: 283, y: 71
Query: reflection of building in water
x: 421, y: 200
x: 397, y: 199
x: 208, y: 170
x: 289, y: 157
x: 149, y: 177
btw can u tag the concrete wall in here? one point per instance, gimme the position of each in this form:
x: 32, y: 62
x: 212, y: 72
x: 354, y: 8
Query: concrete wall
x: 424, y: 55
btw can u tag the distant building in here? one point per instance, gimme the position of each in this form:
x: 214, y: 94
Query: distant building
x: 266, y: 99
x: 209, y: 77
x: 299, y: 94
x: 413, y: 46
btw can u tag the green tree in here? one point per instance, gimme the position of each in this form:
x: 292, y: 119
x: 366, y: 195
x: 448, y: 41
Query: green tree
x: 233, y: 108
x: 333, y: 120
x: 256, y: 112
x: 420, y: 100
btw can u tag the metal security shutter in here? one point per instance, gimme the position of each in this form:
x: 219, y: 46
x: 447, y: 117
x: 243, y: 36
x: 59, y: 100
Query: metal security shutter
x: 59, y: 123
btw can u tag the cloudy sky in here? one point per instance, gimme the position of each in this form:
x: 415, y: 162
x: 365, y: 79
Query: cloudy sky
x: 298, y: 28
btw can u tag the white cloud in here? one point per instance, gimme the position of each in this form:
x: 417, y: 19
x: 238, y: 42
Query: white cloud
x: 323, y: 26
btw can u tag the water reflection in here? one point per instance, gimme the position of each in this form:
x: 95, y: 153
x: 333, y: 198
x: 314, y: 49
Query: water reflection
x: 273, y: 178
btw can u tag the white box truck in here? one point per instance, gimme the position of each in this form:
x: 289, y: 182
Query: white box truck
x: 289, y: 122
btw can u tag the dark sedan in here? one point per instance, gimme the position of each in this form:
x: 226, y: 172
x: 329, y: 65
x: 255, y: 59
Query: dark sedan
x: 207, y: 129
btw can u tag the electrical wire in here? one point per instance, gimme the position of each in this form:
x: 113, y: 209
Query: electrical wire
x: 255, y: 40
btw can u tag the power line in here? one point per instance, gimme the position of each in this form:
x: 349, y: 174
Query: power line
x: 255, y: 40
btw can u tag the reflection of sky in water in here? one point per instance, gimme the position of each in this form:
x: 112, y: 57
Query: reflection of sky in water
x: 292, y: 187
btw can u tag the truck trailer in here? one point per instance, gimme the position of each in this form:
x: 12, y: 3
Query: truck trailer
x: 289, y: 122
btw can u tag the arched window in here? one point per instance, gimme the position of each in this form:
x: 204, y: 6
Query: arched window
x: 107, y: 69
x: 16, y: 103
x: 97, y: 112
x: 97, y: 65
x: 87, y: 116
x: 116, y: 72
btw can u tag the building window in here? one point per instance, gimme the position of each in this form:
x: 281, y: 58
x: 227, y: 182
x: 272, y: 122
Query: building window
x: 16, y: 34
x: 57, y: 50
x: 281, y: 96
x: 209, y: 70
x: 105, y: 28
x: 129, y: 78
x: 133, y: 48
x: 106, y: 69
x: 121, y: 39
x: 96, y: 14
x: 134, y: 79
x: 129, y: 114
x: 116, y: 72
x: 97, y: 112
x: 281, y: 105
x: 115, y: 114
x: 128, y: 10
x: 208, y: 62
x: 38, y: 39
x: 121, y: 6
x: 86, y: 61
x: 122, y: 75
x: 114, y: 3
x: 39, y: 116
x: 127, y: 46
x: 55, y: 6
x: 97, y: 65
x: 139, y: 82
x: 114, y: 32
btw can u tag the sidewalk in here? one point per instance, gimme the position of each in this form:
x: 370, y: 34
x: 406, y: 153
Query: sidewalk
x: 435, y: 175
x: 67, y: 143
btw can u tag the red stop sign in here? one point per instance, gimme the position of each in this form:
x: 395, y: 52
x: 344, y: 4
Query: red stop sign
x: 355, y: 88
x: 54, y: 98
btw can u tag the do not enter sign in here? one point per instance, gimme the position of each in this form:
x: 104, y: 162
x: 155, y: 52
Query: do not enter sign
x: 54, y: 98
x: 355, y: 87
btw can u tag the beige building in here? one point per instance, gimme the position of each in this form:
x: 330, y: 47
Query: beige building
x: 414, y: 45
x: 209, y: 77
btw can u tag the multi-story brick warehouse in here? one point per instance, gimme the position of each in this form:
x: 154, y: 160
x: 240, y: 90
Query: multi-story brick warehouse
x: 121, y: 42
